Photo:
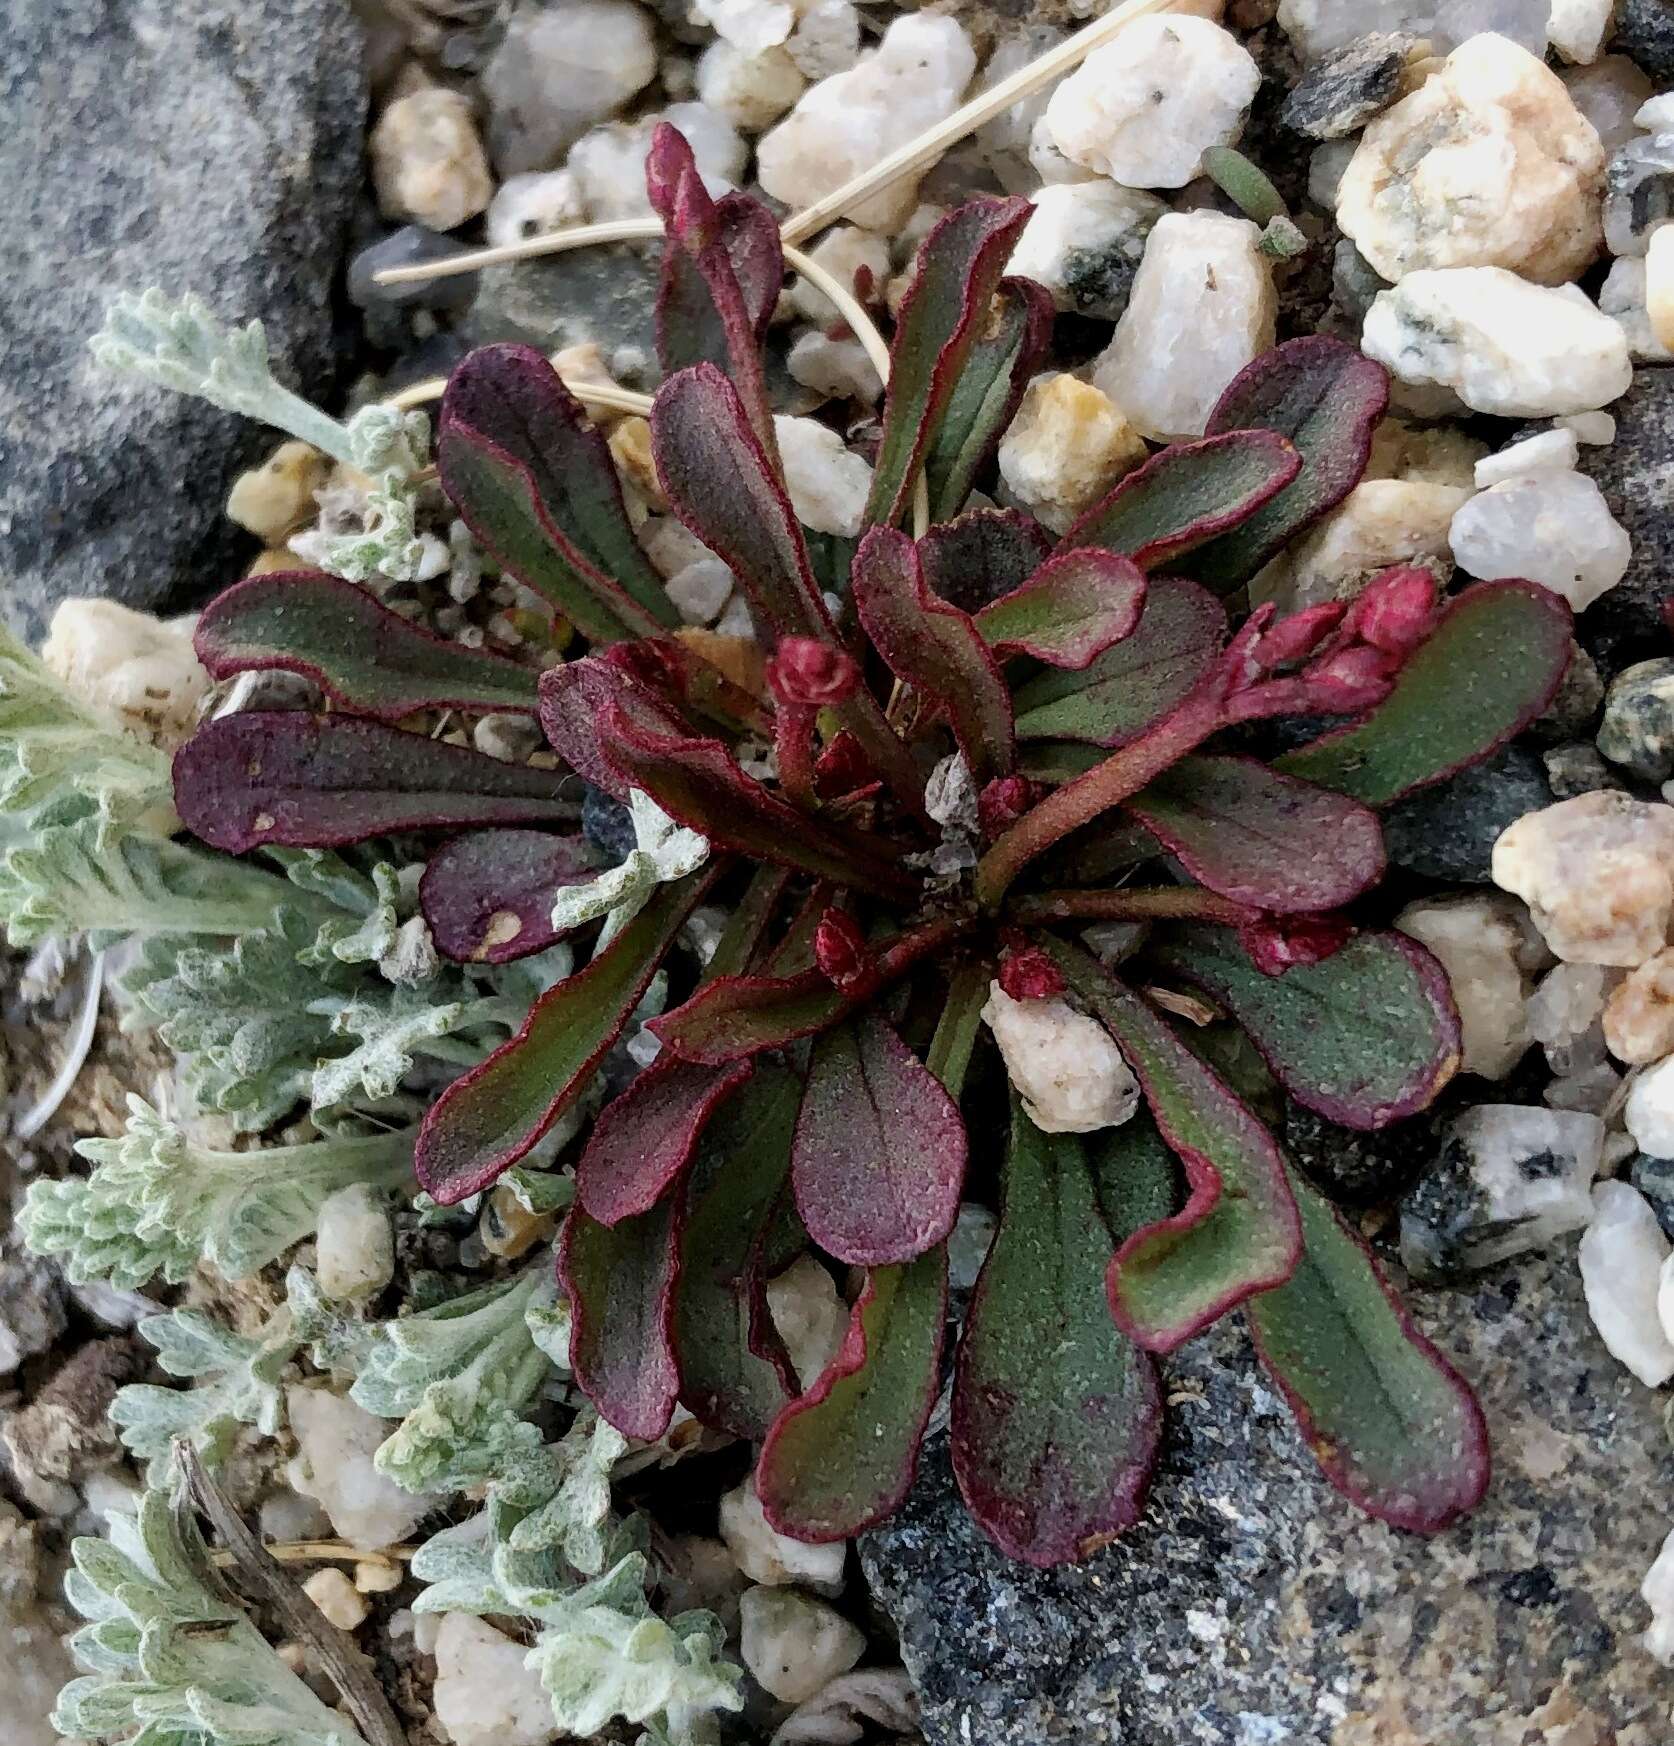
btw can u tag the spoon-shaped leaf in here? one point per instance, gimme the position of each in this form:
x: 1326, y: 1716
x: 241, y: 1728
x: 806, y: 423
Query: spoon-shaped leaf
x: 981, y: 555
x: 1238, y: 1232
x: 290, y: 777
x: 1364, y: 1037
x: 1262, y: 838
x: 1393, y: 1424
x: 880, y: 1147
x: 368, y: 658
x: 487, y: 896
x: 574, y: 697
x: 1074, y: 607
x: 1491, y: 665
x: 490, y: 1117
x: 1057, y: 1416
x: 841, y: 1458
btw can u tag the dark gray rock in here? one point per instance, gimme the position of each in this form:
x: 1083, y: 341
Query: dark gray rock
x: 1254, y: 1607
x: 197, y: 145
x: 1354, y: 283
x: 1636, y: 475
x: 1352, y: 1167
x: 1645, y: 31
x: 1654, y: 1178
x: 1448, y: 831
x: 410, y: 246
x: 606, y: 296
x: 1345, y: 90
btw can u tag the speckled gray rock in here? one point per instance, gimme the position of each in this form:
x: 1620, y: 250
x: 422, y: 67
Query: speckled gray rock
x: 1448, y: 831
x: 199, y: 145
x: 1355, y: 1168
x: 1578, y: 769
x: 1638, y: 727
x: 1638, y: 192
x: 1345, y: 90
x: 1575, y: 705
x: 1253, y: 1607
x: 606, y: 296
x: 1645, y: 31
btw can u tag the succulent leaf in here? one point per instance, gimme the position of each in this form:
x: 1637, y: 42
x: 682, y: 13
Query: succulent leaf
x: 1073, y: 608
x: 487, y: 897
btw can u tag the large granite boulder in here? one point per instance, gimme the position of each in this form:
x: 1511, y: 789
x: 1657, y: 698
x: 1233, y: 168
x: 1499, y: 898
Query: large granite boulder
x: 197, y: 145
x: 1255, y: 1608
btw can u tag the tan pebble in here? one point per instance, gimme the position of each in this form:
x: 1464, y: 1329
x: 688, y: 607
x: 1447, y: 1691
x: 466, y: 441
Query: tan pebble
x: 630, y: 446
x: 1639, y: 1016
x: 277, y: 498
x: 508, y: 1228
x: 338, y: 1598
x: 1067, y: 446
x: 374, y: 1576
x: 1659, y: 285
x: 428, y: 163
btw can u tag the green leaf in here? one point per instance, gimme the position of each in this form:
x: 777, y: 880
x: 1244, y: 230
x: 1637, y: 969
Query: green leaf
x: 1057, y: 1416
x: 1490, y: 666
x: 1135, y: 683
x: 1393, y: 1424
x: 1069, y: 611
x: 1238, y: 1233
x: 841, y: 1459
x: 1364, y: 1037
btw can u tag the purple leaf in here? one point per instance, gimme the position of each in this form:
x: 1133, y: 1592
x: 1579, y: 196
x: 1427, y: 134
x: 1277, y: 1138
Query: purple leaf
x: 1393, y: 1424
x: 621, y: 1281
x: 1327, y: 399
x: 1073, y: 608
x: 573, y: 699
x: 723, y: 267
x: 842, y: 1458
x: 880, y: 1147
x: 359, y: 653
x: 644, y: 1138
x: 535, y: 483
x: 1185, y: 495
x: 487, y: 897
x: 1261, y: 838
x: 935, y: 648
x: 945, y: 311
x: 492, y: 1116
x: 317, y: 781
x: 1134, y: 684
x: 734, y: 1373
x: 1492, y: 664
x: 981, y: 555
x: 1365, y: 1037
x: 987, y: 393
x: 1057, y: 1417
x: 1238, y: 1232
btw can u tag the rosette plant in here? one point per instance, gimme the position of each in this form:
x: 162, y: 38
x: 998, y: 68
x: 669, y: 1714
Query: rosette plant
x: 959, y: 743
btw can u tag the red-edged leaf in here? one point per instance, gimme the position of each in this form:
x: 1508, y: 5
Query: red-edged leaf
x: 982, y: 555
x: 289, y: 777
x: 1185, y: 495
x: 1393, y: 1424
x: 1492, y: 664
x: 369, y: 659
x: 1070, y: 611
x: 1262, y: 838
x: 573, y: 699
x: 1364, y: 1037
x: 698, y: 782
x: 534, y: 481
x: 1135, y: 683
x: 841, y: 1458
x: 621, y: 1282
x: 644, y: 1138
x: 1057, y: 1416
x: 935, y: 648
x: 723, y: 266
x: 490, y: 1117
x: 487, y: 897
x: 1327, y: 399
x: 1238, y: 1232
x: 987, y: 393
x: 880, y: 1147
x: 738, y: 1185
x: 944, y: 312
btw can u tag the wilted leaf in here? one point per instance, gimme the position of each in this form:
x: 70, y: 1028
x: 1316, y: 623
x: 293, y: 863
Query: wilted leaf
x: 982, y: 555
x: 1364, y: 1037
x: 490, y: 1117
x: 1262, y: 838
x: 290, y: 777
x: 1073, y: 608
x: 366, y: 657
x: 880, y: 1147
x: 535, y: 483
x: 1490, y: 666
x: 487, y: 896
x: 841, y: 1458
x: 1237, y: 1234
x: 1395, y: 1427
x: 1057, y: 1416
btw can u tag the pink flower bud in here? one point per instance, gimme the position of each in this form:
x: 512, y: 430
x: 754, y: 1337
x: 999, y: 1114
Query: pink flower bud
x: 1351, y: 679
x: 842, y: 768
x: 1277, y: 943
x: 1295, y: 637
x: 1396, y: 611
x: 1030, y: 975
x: 1003, y: 802
x: 840, y: 949
x: 811, y: 673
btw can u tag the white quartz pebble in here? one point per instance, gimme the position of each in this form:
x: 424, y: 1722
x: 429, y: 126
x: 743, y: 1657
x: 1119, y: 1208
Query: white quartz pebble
x: 793, y: 1644
x: 484, y: 1693
x: 355, y: 1243
x: 828, y: 485
x: 767, y: 1556
x: 1549, y: 527
x: 1551, y: 451
x: 1622, y: 1255
x: 1649, y: 1114
x: 1065, y: 1065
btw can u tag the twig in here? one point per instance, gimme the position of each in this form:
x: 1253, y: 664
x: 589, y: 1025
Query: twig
x: 592, y: 393
x: 332, y: 1651
x: 321, y: 1552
